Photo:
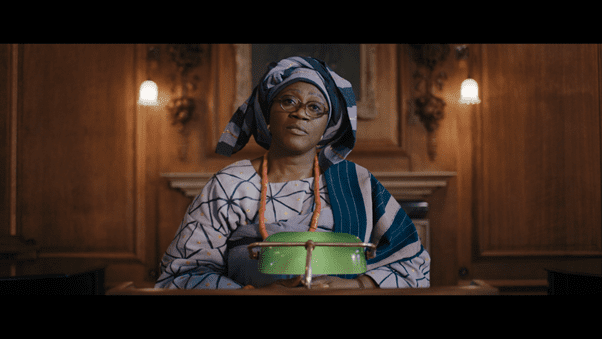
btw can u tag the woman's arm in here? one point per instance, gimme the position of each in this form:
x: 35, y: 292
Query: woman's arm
x: 401, y: 261
x: 196, y: 258
x: 407, y: 272
x: 190, y: 262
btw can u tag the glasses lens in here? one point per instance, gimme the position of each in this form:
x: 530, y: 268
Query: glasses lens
x: 315, y: 108
x: 289, y: 104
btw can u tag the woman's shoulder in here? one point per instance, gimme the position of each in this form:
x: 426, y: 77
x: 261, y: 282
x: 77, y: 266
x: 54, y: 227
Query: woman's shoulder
x: 240, y: 167
x: 346, y: 165
x: 241, y: 170
x: 233, y: 173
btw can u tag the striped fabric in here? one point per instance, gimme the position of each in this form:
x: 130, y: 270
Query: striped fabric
x: 363, y: 207
x: 252, y: 117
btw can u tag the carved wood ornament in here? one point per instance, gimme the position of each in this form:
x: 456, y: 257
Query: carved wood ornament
x: 428, y: 107
x: 185, y: 57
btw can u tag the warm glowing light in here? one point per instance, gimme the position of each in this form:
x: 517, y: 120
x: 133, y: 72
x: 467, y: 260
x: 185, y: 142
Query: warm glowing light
x: 148, y: 94
x: 469, y: 92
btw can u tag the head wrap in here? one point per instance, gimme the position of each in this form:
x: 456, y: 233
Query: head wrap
x: 252, y: 117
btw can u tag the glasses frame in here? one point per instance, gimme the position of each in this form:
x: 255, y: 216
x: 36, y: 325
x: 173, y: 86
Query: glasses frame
x: 300, y: 105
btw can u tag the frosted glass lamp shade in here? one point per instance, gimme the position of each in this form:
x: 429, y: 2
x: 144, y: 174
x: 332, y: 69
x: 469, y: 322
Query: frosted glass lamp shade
x: 469, y: 92
x: 148, y: 93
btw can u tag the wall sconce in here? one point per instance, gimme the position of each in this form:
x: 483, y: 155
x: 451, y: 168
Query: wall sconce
x: 429, y: 107
x: 469, y: 90
x: 148, y: 94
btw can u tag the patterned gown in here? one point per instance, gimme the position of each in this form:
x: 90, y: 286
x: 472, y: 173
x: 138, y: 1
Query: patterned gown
x: 209, y: 249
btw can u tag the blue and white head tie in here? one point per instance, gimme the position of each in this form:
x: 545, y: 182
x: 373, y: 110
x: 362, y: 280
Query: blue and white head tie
x: 252, y: 116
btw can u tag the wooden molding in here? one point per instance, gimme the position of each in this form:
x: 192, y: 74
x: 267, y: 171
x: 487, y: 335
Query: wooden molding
x: 413, y: 185
x: 402, y: 185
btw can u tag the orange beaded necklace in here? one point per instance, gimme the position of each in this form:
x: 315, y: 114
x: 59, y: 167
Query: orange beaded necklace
x: 264, y: 189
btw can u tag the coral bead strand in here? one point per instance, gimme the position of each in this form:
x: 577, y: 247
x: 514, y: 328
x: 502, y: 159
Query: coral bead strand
x: 264, y: 188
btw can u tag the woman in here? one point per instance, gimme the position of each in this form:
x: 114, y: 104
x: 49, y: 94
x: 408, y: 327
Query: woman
x: 304, y: 114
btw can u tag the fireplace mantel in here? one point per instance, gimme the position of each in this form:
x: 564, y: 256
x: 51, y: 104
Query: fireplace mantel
x: 402, y: 185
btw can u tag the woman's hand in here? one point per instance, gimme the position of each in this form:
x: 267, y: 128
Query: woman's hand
x: 286, y: 283
x: 323, y: 282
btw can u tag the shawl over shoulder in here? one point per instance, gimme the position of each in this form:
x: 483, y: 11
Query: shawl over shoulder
x: 363, y: 207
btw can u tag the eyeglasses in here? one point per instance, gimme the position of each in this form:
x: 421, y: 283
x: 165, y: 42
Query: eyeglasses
x: 291, y: 104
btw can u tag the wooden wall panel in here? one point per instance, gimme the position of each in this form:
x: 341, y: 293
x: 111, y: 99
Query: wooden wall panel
x: 539, y: 159
x: 76, y: 147
x: 384, y: 134
x: 5, y: 138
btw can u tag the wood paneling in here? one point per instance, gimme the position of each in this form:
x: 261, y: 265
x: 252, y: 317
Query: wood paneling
x: 539, y: 191
x: 5, y: 139
x: 529, y: 171
x: 384, y: 135
x: 76, y: 144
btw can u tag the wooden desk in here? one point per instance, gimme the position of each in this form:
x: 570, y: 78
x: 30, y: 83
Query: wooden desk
x: 476, y: 287
x: 563, y: 282
x: 52, y: 276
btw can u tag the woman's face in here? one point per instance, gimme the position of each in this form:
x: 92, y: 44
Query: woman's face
x: 297, y: 132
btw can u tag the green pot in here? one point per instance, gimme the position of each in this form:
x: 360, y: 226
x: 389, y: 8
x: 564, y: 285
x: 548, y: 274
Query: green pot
x: 329, y: 253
